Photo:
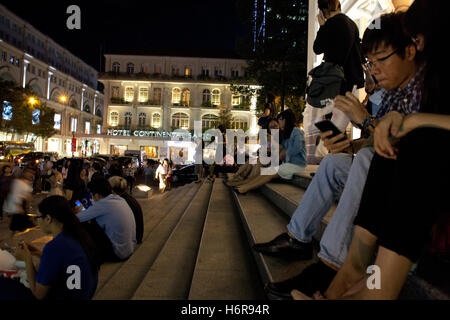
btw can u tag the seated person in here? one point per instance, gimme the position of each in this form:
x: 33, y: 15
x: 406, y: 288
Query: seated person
x: 71, y: 246
x: 248, y: 170
x: 294, y: 154
x: 112, y: 225
x: 401, y: 76
x: 398, y: 208
x: 119, y: 187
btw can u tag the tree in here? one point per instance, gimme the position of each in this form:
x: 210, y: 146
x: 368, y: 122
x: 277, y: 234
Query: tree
x: 23, y: 104
x: 225, y: 117
x: 276, y: 53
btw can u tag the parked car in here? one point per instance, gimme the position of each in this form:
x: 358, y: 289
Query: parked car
x: 185, y: 174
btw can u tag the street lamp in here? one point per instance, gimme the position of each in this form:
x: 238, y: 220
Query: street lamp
x: 32, y: 100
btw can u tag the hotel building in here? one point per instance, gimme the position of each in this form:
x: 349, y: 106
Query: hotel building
x: 149, y: 96
x: 61, y: 80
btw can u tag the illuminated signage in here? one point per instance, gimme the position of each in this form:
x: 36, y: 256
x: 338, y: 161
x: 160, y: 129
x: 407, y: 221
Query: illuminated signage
x: 153, y: 134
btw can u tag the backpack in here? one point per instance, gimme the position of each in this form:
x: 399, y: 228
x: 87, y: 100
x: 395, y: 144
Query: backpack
x: 327, y: 80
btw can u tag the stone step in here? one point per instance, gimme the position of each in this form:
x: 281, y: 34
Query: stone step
x: 171, y: 273
x: 129, y: 274
x: 287, y: 197
x: 262, y: 222
x: 155, y: 207
x: 224, y: 269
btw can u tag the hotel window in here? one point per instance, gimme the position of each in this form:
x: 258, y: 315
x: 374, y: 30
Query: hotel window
x: 176, y: 95
x: 116, y: 67
x: 142, y: 119
x: 143, y: 94
x: 129, y: 94
x: 180, y: 120
x: 234, y: 73
x: 87, y: 127
x: 57, y: 120
x: 236, y: 100
x: 130, y: 68
x: 128, y: 116
x: 205, y: 72
x: 216, y: 97
x: 114, y: 119
x: 99, y: 129
x: 115, y: 92
x: 175, y: 71
x: 187, y: 72
x: 239, y: 123
x: 157, y: 96
x: 73, y: 124
x: 156, y: 120
x: 210, y: 121
x: 206, y: 96
x: 186, y: 97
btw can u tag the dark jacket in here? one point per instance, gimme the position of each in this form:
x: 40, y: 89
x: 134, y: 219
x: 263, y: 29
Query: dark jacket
x: 338, y: 39
x: 138, y: 216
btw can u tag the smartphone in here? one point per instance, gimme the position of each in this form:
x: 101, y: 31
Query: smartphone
x: 78, y: 203
x: 327, y: 125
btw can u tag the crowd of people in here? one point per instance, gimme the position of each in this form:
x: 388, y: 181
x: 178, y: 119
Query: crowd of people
x: 93, y: 217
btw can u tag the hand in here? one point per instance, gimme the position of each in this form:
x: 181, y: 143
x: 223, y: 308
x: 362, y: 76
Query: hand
x: 351, y: 106
x: 78, y: 209
x: 331, y: 144
x: 297, y: 295
x: 408, y: 125
x: 318, y: 296
x: 22, y: 251
x: 35, y: 251
x: 320, y: 18
x: 388, y: 127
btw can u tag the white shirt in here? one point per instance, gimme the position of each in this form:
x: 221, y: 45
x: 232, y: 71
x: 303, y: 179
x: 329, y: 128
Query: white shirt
x: 20, y: 190
x: 113, y: 214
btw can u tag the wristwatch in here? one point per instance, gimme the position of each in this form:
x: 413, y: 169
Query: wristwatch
x: 367, y: 122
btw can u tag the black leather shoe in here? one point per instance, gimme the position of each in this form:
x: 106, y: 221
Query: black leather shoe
x: 287, y: 247
x: 316, y: 277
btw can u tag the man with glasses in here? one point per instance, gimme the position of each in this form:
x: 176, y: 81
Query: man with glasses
x: 391, y: 59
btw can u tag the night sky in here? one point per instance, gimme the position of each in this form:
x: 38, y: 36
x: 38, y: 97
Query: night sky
x: 132, y: 25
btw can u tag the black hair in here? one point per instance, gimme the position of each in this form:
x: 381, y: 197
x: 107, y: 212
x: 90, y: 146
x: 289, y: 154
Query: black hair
x: 391, y: 34
x: 4, y: 167
x: 330, y: 5
x: 100, y: 186
x: 428, y: 18
x: 289, y: 116
x: 59, y: 208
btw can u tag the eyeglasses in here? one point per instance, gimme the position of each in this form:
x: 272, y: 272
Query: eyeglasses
x: 38, y: 217
x: 372, y: 64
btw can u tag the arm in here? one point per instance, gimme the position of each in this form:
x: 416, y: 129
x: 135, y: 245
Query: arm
x: 38, y: 290
x: 298, y: 143
x: 91, y: 213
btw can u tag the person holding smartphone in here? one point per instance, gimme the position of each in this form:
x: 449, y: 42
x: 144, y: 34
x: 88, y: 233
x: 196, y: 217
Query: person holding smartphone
x: 391, y: 56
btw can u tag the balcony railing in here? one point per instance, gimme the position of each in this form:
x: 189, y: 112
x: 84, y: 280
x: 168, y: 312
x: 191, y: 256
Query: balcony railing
x: 160, y: 76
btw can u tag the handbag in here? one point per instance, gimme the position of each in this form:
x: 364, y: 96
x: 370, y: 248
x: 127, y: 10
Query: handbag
x: 327, y: 80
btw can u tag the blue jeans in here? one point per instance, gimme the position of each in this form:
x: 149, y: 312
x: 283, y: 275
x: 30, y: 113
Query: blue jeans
x: 335, y: 172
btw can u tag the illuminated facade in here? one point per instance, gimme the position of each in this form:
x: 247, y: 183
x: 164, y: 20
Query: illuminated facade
x: 60, y: 79
x: 150, y: 96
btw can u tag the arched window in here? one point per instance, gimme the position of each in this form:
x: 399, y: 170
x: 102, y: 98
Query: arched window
x: 176, y: 95
x: 114, y: 119
x: 206, y: 96
x: 239, y: 123
x: 157, y: 96
x: 156, y: 120
x: 210, y: 121
x: 130, y: 68
x: 74, y: 104
x: 186, y: 97
x: 235, y: 100
x: 180, y: 120
x: 87, y: 108
x: 143, y: 94
x: 98, y: 112
x: 128, y: 116
x: 142, y: 119
x: 116, y: 67
x: 216, y: 97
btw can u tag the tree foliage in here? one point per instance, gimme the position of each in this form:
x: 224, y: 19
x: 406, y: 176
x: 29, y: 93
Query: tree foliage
x: 21, y: 121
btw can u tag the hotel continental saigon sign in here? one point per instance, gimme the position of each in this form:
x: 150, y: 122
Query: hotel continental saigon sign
x: 151, y: 134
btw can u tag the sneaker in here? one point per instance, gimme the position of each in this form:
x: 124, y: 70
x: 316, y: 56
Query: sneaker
x: 286, y: 247
x: 316, y: 277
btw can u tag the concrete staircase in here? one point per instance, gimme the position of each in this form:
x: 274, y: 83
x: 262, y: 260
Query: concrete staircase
x: 197, y: 245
